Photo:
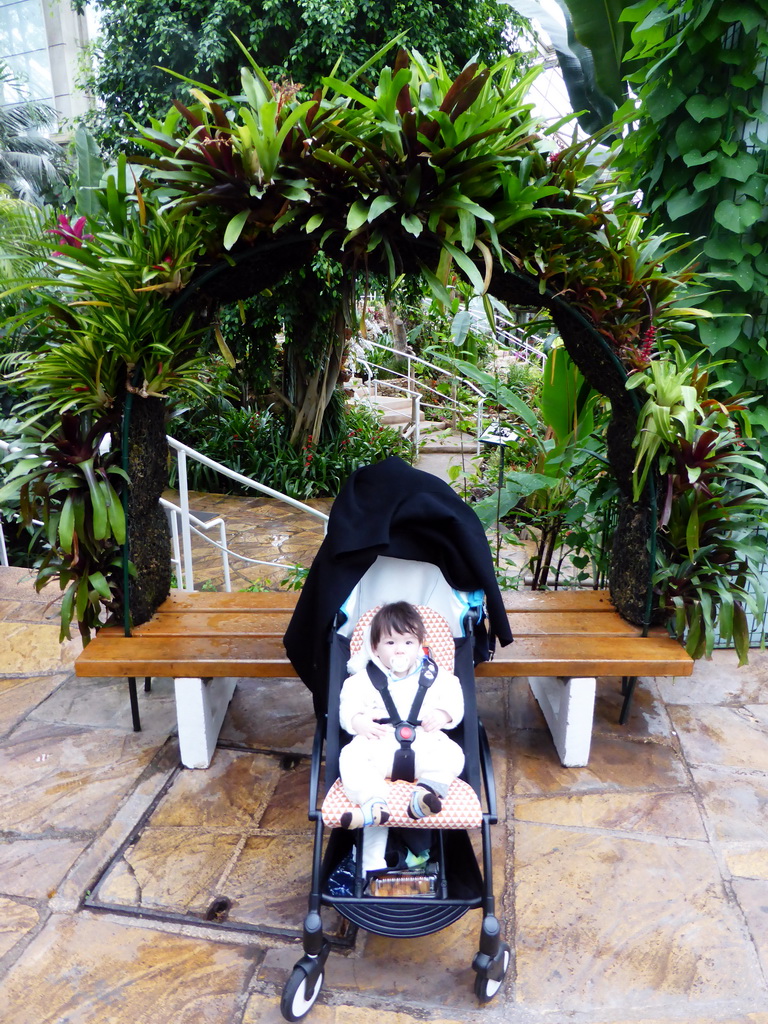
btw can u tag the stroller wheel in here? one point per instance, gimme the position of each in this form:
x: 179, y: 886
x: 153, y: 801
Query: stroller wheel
x: 300, y: 993
x: 490, y: 979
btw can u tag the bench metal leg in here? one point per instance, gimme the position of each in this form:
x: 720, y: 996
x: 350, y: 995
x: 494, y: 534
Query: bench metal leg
x: 201, y: 705
x: 134, y: 703
x: 569, y: 708
x: 628, y: 684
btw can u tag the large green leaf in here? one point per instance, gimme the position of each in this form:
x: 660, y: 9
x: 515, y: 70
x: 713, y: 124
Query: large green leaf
x: 591, y: 43
x: 737, y: 217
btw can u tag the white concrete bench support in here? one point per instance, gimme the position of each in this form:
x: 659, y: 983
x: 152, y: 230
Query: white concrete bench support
x: 200, y: 708
x: 569, y: 708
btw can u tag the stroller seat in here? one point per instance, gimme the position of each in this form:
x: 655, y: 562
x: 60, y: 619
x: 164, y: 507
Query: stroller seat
x: 461, y: 807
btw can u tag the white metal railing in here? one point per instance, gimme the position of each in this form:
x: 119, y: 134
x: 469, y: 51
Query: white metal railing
x: 184, y: 522
x: 416, y: 389
x: 507, y: 332
x: 189, y: 523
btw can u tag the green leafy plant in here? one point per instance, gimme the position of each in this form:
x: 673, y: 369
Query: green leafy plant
x: 104, y: 312
x: 698, y: 154
x: 66, y: 484
x: 714, y: 498
x: 254, y: 444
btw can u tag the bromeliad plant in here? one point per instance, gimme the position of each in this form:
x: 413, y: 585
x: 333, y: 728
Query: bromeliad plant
x: 713, y: 500
x: 69, y: 487
x: 106, y: 303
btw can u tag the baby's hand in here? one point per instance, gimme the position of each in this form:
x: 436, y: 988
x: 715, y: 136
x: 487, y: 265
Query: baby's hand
x: 364, y: 725
x: 436, y: 719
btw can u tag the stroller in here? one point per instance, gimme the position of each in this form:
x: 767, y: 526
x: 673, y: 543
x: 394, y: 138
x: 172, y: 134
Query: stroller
x: 395, y: 534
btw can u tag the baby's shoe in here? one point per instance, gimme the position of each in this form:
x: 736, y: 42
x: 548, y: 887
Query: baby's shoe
x: 373, y: 812
x: 424, y: 802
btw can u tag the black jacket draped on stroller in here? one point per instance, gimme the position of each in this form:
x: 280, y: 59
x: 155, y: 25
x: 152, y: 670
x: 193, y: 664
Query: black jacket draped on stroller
x: 399, y: 534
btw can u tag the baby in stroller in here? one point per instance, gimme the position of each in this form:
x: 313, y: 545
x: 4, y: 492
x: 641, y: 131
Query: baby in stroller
x: 378, y: 705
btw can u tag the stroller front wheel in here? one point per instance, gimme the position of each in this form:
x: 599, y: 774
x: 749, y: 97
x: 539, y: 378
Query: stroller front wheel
x: 490, y: 979
x: 300, y: 993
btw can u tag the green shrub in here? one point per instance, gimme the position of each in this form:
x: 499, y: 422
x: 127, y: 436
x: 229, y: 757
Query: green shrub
x: 255, y: 445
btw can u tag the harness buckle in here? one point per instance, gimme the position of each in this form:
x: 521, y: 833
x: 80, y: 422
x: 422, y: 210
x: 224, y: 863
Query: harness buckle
x: 405, y: 733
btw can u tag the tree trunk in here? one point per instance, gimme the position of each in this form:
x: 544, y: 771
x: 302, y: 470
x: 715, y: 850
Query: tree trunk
x: 149, y: 540
x: 310, y: 392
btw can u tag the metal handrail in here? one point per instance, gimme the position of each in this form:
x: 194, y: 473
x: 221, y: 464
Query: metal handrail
x: 190, y: 523
x: 413, y: 384
x: 187, y: 528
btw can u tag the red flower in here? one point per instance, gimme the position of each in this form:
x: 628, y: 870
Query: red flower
x: 70, y: 234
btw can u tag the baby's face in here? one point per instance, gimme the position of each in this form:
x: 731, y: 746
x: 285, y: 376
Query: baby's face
x: 398, y: 652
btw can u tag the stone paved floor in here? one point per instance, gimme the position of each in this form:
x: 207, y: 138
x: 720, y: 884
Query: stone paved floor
x: 634, y: 891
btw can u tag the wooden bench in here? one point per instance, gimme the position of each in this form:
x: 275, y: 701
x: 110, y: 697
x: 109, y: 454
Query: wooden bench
x: 207, y: 640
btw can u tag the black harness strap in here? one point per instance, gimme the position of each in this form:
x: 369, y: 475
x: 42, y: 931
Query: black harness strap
x: 403, y: 766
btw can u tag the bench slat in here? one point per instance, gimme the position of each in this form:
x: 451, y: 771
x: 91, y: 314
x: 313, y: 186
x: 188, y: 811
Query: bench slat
x: 568, y: 623
x: 230, y: 623
x: 111, y: 655
x: 589, y: 656
x: 268, y: 622
x: 265, y: 657
x: 240, y: 600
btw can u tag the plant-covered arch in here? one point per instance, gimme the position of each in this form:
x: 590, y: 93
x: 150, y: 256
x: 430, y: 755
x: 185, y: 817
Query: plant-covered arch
x: 418, y: 173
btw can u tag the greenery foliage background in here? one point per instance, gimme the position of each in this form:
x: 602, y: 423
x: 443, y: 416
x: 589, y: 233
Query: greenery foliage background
x: 302, y: 40
x: 699, y: 153
x: 427, y: 165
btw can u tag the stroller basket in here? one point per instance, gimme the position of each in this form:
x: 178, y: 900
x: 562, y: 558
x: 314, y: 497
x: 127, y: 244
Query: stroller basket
x: 458, y: 886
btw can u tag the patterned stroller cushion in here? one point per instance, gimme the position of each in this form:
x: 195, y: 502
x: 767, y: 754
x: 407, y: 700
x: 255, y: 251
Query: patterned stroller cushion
x: 461, y: 807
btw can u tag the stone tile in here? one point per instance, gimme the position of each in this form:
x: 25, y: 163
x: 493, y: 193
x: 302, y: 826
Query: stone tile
x: 736, y: 804
x: 753, y: 900
x: 614, y: 764
x: 720, y: 681
x: 674, y: 815
x: 288, y: 808
x: 271, y: 714
x: 22, y: 694
x: 59, y: 777
x: 28, y: 649
x: 16, y: 921
x: 176, y: 870
x: 25, y: 610
x: 429, y: 970
x: 524, y: 711
x: 736, y: 737
x: 610, y: 921
x: 34, y: 867
x: 748, y: 863
x: 18, y: 584
x: 93, y: 970
x: 358, y: 992
x: 358, y: 1015
x: 269, y: 884
x: 266, y: 1010
x: 723, y: 1016
x: 230, y: 795
x: 647, y: 718
x: 263, y: 1009
x: 105, y: 702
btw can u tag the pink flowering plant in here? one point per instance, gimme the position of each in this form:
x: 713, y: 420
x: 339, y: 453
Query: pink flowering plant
x: 70, y: 234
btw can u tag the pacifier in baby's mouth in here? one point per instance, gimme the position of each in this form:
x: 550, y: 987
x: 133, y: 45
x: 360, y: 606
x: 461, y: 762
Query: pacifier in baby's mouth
x: 400, y: 662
